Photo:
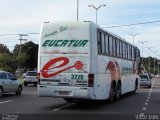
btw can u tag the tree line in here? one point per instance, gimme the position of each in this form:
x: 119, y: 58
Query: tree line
x: 27, y: 58
x: 23, y: 59
x: 154, y: 65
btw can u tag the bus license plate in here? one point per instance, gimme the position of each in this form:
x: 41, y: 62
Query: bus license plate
x: 63, y: 93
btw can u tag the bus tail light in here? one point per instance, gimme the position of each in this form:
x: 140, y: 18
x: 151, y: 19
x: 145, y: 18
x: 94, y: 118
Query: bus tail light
x: 90, y: 80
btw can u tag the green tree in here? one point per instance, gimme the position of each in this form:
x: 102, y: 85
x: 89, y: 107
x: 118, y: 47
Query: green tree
x: 4, y: 49
x: 7, y: 62
x: 31, y: 50
x: 21, y: 59
x: 146, y: 64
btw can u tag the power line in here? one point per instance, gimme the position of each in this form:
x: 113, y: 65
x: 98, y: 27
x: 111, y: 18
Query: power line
x: 8, y: 37
x: 20, y: 39
x: 32, y: 33
x: 7, y: 34
x: 132, y: 24
x: 18, y: 34
x: 14, y: 36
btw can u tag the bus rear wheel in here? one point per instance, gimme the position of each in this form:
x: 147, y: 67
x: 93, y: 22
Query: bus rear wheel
x: 118, y: 92
x: 135, y: 87
x: 1, y: 92
x: 68, y: 99
x: 111, y: 96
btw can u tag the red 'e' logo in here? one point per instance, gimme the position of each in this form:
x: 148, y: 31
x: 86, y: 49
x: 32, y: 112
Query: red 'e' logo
x: 78, y: 65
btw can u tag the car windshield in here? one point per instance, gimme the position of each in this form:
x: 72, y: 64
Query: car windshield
x: 144, y: 76
x: 31, y: 74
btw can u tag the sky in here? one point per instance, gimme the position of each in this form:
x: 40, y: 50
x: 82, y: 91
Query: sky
x: 26, y: 16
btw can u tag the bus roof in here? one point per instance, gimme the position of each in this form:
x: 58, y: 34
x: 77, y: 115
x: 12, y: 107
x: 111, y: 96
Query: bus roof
x: 93, y: 24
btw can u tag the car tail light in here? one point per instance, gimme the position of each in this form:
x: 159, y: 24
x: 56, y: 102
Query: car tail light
x: 90, y: 80
x: 38, y: 77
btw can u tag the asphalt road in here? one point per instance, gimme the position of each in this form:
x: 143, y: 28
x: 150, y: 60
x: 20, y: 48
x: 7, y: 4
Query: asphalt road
x: 145, y: 104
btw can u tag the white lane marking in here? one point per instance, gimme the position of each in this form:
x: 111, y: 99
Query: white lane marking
x: 6, y: 101
x: 146, y: 103
x: 63, y: 107
x: 153, y: 83
x: 144, y: 108
x: 148, y: 97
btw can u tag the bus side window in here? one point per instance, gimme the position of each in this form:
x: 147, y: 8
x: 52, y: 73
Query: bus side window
x: 124, y: 51
x: 138, y: 53
x: 103, y: 44
x: 128, y: 51
x: 120, y: 49
x: 110, y: 46
x: 125, y: 48
x: 107, y: 43
x: 99, y: 42
x: 133, y: 54
x: 117, y: 48
x: 114, y: 47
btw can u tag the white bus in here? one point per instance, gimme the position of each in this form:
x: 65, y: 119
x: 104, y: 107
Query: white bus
x: 80, y: 60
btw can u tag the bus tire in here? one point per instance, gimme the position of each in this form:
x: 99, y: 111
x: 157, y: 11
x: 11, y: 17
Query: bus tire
x: 118, y: 91
x: 68, y: 99
x: 150, y: 86
x: 1, y: 91
x: 111, y: 95
x: 135, y: 87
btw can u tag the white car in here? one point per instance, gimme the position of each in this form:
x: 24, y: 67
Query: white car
x: 156, y: 76
x: 145, y: 80
x: 9, y: 83
x: 30, y: 77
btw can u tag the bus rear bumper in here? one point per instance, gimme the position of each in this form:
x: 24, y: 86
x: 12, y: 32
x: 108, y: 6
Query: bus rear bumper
x: 66, y: 92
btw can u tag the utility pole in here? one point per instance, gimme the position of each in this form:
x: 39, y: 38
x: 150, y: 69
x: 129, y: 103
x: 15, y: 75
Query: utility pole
x: 133, y: 35
x: 158, y: 67
x: 21, y: 35
x: 20, y: 49
x: 77, y: 9
x: 96, y: 8
x: 142, y: 42
x: 154, y: 62
x: 149, y: 64
x: 158, y: 64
